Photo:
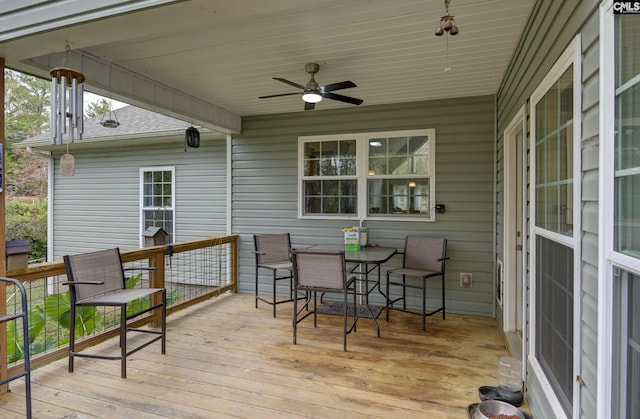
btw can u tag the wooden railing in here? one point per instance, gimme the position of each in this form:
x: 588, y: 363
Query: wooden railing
x: 190, y: 271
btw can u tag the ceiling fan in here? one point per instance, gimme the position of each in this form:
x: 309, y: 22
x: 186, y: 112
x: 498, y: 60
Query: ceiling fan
x: 312, y: 93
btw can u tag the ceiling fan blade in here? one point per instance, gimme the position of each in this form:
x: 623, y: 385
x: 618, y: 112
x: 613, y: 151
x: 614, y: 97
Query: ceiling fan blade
x: 290, y: 83
x: 308, y: 106
x: 343, y: 98
x: 278, y: 95
x: 337, y: 86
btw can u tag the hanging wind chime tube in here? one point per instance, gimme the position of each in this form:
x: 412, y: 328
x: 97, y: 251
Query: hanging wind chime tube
x: 66, y: 104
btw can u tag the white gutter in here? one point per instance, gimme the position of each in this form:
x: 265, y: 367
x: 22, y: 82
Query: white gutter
x: 50, y: 178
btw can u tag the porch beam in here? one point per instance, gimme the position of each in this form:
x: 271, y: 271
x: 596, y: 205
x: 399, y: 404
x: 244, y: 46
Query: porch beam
x: 110, y: 80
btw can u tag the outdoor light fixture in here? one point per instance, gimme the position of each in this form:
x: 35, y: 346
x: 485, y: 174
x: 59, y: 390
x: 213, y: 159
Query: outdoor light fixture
x: 311, y: 97
x: 66, y: 103
x: 447, y: 24
x: 192, y: 137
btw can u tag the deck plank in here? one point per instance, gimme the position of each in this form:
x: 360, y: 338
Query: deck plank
x: 227, y: 359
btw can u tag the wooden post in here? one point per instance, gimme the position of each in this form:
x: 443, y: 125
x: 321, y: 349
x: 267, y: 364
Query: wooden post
x: 3, y: 259
x: 157, y: 280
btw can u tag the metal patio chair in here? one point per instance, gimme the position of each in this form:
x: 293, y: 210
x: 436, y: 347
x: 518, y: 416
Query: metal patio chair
x: 97, y: 279
x: 424, y: 258
x: 323, y: 271
x: 273, y: 253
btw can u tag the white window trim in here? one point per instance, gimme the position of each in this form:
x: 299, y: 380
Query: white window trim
x: 572, y: 55
x: 607, y: 257
x: 362, y: 158
x: 171, y: 169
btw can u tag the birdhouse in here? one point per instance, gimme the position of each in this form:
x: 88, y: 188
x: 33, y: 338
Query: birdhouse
x: 17, y: 252
x: 155, y: 236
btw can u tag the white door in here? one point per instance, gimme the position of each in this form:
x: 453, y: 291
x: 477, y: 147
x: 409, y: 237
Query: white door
x: 514, y: 233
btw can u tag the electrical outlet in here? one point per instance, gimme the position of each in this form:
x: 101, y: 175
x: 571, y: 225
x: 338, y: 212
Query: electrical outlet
x: 466, y: 280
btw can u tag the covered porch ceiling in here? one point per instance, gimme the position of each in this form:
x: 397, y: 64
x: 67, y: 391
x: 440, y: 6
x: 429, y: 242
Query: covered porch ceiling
x: 198, y: 55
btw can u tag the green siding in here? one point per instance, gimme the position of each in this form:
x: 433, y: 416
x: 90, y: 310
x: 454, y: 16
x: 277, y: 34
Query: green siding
x: 265, y: 187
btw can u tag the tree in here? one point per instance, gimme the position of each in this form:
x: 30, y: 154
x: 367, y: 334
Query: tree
x: 27, y: 100
x: 98, y: 107
x: 26, y: 115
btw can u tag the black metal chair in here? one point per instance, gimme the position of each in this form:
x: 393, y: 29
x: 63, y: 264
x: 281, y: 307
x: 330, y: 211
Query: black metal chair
x: 273, y: 253
x: 98, y: 279
x: 23, y: 314
x: 424, y: 258
x: 323, y: 271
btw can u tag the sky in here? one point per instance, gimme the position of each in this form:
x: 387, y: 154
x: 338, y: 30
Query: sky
x: 92, y: 97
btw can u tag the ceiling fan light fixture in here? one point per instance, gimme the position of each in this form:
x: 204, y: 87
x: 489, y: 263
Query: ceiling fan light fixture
x: 311, y: 97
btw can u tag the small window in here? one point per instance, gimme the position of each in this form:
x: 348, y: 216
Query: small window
x: 388, y: 175
x: 157, y: 200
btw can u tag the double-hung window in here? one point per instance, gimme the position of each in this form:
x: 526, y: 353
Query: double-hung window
x: 387, y: 175
x: 157, y: 200
x: 619, y: 384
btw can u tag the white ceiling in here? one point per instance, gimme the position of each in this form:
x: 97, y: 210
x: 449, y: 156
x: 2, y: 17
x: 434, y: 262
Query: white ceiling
x: 227, y: 52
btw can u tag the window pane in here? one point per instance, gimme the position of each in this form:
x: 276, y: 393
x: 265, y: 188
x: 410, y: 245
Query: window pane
x: 330, y: 197
x: 399, y: 156
x: 159, y: 218
x: 554, y: 157
x: 627, y: 138
x: 312, y: 159
x: 399, y: 165
x: 399, y: 196
x: 554, y: 316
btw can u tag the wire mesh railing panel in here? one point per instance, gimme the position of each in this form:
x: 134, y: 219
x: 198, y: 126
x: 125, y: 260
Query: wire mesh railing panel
x: 194, y: 273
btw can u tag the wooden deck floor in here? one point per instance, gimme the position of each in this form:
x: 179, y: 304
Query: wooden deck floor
x: 227, y: 359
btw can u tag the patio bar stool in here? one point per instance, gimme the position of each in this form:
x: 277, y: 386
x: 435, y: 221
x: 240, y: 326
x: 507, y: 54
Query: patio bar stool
x: 273, y: 253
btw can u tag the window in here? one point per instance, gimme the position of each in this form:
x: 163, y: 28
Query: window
x: 368, y: 175
x: 621, y: 148
x: 627, y: 137
x: 554, y: 126
x: 157, y: 200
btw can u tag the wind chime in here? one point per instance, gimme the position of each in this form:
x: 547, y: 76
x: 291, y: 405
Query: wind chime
x: 66, y: 110
x: 448, y: 27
